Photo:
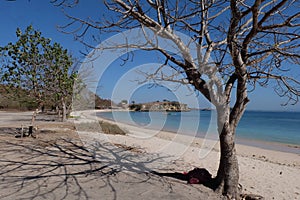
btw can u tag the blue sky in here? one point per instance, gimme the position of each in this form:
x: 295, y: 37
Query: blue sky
x: 45, y: 18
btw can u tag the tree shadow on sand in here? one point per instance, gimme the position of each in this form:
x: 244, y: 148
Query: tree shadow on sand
x: 65, y: 169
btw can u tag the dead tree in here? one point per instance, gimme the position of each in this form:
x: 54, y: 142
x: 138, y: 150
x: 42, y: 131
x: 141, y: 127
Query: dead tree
x: 240, y: 44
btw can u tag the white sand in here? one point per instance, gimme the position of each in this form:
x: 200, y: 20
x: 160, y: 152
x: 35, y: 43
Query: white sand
x: 272, y: 174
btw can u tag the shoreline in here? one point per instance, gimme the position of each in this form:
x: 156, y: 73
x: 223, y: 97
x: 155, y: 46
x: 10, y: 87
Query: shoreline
x: 271, y: 154
x: 272, y: 174
x: 262, y: 144
x: 269, y: 145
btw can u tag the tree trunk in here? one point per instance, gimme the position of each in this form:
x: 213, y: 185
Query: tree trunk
x: 34, y: 116
x: 227, y: 178
x: 64, y: 110
x: 228, y: 173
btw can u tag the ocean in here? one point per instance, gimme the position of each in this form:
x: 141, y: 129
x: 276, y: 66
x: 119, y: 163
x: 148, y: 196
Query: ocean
x: 279, y: 127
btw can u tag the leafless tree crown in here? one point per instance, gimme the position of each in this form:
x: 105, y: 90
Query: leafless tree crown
x: 257, y: 39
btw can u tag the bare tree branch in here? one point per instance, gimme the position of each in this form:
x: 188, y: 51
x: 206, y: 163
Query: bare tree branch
x: 231, y: 43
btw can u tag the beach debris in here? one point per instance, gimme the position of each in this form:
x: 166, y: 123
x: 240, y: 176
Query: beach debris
x: 198, y: 176
x: 195, y: 176
x: 128, y: 148
x: 251, y: 197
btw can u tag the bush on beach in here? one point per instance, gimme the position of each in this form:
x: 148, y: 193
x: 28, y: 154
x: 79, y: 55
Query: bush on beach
x: 101, y: 126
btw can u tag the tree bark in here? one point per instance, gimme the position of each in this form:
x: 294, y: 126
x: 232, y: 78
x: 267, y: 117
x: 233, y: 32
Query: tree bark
x: 34, y: 116
x: 64, y: 109
x: 227, y: 179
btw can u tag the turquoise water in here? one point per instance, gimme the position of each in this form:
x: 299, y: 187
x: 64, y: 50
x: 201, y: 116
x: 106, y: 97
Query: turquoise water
x: 281, y: 127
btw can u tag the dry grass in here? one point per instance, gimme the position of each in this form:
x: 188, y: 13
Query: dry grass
x: 105, y: 127
x: 129, y: 148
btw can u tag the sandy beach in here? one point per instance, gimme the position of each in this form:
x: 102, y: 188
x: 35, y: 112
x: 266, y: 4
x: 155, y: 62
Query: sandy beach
x: 272, y: 174
x: 64, y: 163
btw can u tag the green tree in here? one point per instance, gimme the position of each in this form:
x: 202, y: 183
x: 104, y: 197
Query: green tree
x: 124, y: 102
x: 40, y: 68
x: 24, y: 62
x: 58, y: 78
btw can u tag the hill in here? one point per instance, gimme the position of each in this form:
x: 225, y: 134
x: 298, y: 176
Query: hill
x: 16, y: 99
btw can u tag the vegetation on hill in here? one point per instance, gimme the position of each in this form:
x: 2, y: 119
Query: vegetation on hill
x: 168, y: 106
x: 15, y: 99
x: 103, y: 103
